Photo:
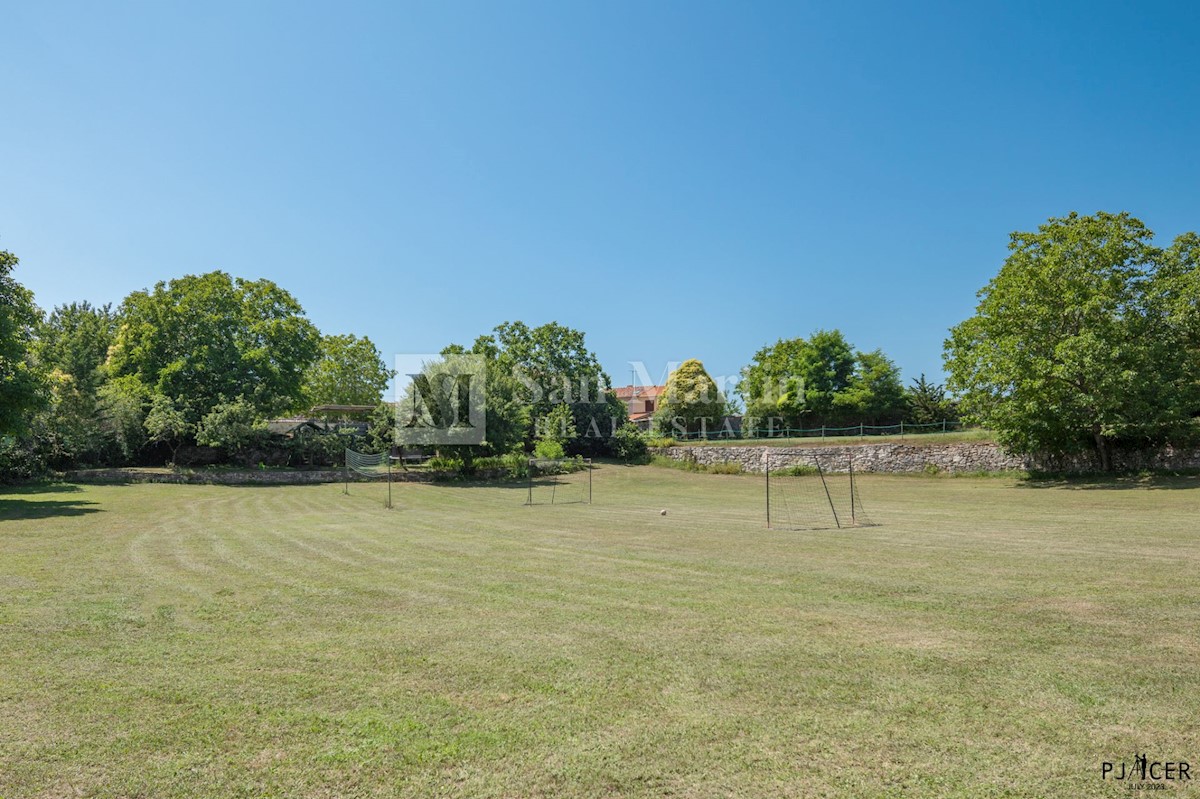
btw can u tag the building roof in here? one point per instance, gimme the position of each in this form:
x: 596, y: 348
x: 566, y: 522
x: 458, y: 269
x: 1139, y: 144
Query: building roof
x: 638, y: 392
x: 343, y: 408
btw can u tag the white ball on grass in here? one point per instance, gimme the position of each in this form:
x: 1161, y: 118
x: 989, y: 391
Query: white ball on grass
x: 662, y: 512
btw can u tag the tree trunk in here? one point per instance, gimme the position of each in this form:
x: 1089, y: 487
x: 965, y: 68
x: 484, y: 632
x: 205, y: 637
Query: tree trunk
x: 1103, y: 449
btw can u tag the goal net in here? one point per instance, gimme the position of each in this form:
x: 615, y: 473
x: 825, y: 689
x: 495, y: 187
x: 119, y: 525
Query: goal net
x: 807, y: 492
x: 561, y: 481
x: 375, y: 466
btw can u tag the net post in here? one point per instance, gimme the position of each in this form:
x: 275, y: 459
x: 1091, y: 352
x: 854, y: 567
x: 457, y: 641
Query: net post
x: 389, y: 462
x: 529, y: 470
x: 589, y: 468
x: 828, y: 498
x: 767, y: 461
x: 346, y: 471
x: 853, y: 517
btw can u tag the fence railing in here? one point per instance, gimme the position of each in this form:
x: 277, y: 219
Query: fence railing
x: 859, y: 430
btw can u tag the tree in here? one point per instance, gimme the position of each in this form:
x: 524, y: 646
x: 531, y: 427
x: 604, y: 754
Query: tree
x: 121, y: 405
x: 554, y: 431
x: 21, y: 383
x: 690, y: 401
x: 1084, y: 339
x: 820, y: 381
x: 875, y: 394
x: 231, y: 426
x: 72, y: 346
x: 166, y: 423
x: 349, y: 371
x: 75, y: 340
x: 203, y: 340
x: 928, y: 402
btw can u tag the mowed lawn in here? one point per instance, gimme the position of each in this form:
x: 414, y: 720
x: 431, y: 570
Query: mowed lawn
x: 989, y: 638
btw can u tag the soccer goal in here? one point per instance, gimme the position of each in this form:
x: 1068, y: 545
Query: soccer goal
x: 561, y: 481
x: 373, y: 466
x: 807, y: 492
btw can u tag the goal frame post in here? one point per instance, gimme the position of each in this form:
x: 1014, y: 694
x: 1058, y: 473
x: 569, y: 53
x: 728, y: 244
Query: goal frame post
x: 531, y: 467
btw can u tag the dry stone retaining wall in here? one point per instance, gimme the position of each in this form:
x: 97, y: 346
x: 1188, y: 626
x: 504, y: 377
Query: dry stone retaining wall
x: 952, y: 458
x: 249, y: 476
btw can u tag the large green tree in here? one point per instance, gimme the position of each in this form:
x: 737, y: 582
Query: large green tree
x: 552, y: 361
x: 22, y: 387
x: 821, y: 380
x: 551, y: 365
x: 75, y: 339
x: 72, y: 346
x: 1087, y: 337
x: 204, y: 340
x: 349, y: 371
x: 690, y: 402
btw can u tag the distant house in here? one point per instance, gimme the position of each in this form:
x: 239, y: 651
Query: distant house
x: 291, y: 428
x: 642, y: 402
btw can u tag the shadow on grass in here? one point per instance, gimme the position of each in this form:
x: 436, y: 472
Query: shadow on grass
x: 14, y: 506
x: 1114, y: 482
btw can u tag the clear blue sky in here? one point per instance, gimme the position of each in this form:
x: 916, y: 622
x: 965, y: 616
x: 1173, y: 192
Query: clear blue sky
x: 677, y: 179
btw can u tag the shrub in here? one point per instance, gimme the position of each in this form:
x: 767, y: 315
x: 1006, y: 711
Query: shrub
x: 445, y: 463
x: 691, y: 465
x: 516, y: 464
x: 549, y: 449
x: 629, y: 444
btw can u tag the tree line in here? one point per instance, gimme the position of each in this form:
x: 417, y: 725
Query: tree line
x: 1087, y: 339
x: 200, y: 360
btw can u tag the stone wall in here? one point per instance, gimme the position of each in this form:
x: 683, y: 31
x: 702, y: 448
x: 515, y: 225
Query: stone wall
x: 249, y: 476
x: 952, y: 458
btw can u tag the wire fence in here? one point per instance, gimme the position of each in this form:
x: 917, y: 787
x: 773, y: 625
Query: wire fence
x: 859, y: 430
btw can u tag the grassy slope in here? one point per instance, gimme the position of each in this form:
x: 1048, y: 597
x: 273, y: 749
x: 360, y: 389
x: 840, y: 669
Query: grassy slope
x: 989, y: 639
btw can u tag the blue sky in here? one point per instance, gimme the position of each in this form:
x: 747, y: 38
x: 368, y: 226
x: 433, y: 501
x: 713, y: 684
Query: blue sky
x: 677, y: 179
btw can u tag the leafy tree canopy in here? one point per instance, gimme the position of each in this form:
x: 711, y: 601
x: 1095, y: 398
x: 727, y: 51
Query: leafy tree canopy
x: 75, y: 339
x: 690, y: 401
x: 349, y: 371
x: 1086, y: 337
x: 552, y: 360
x: 821, y: 380
x: 208, y: 339
x: 21, y: 383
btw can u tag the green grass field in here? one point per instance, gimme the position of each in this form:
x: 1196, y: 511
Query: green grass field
x: 989, y: 639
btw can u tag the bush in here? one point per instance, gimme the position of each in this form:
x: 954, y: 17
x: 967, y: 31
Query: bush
x: 445, y: 463
x: 549, y: 449
x: 315, y: 450
x: 691, y: 465
x: 19, y: 460
x: 517, y: 464
x: 629, y: 444
x: 660, y: 441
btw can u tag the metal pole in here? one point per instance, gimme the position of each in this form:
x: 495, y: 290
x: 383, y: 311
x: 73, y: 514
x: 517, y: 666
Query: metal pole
x: 767, y: 458
x: 389, y: 460
x: 346, y: 473
x: 821, y: 472
x: 589, y: 468
x: 529, y: 468
x: 853, y: 520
